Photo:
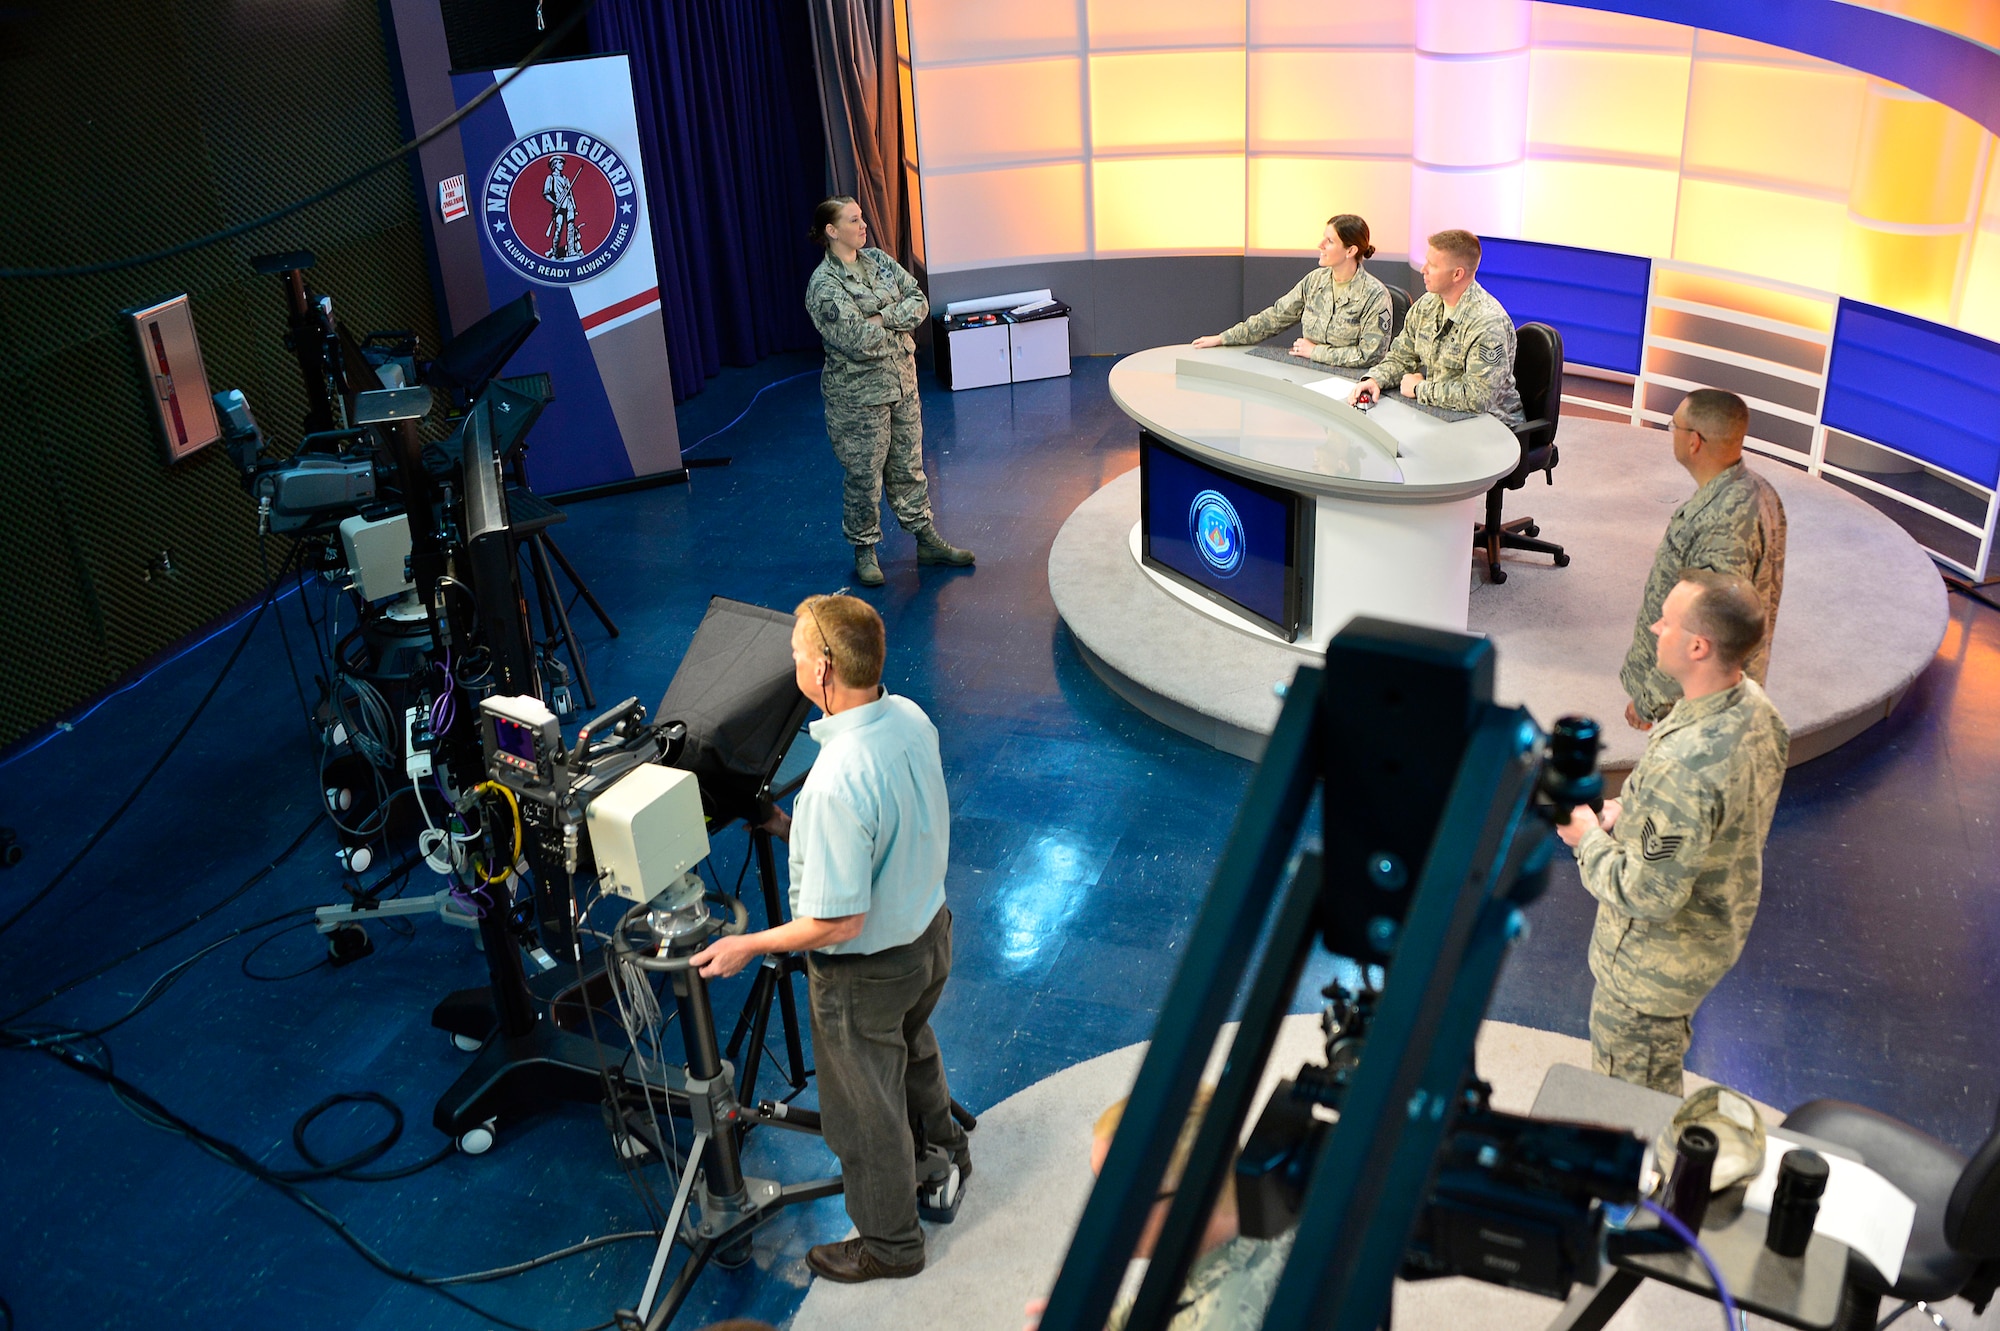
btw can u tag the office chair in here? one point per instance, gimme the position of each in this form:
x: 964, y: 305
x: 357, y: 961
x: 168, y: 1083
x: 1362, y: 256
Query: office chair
x: 1399, y: 310
x: 1955, y: 1241
x: 1538, y: 362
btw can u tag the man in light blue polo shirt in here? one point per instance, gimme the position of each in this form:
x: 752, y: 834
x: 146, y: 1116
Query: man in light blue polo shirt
x: 870, y: 835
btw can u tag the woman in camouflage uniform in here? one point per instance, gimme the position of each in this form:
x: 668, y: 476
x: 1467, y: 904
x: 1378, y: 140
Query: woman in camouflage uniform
x: 865, y: 306
x: 1345, y: 311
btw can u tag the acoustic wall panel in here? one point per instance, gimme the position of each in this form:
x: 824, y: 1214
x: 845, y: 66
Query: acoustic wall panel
x: 1291, y: 198
x: 991, y: 115
x: 1925, y: 390
x: 1306, y: 23
x: 1774, y: 124
x: 1919, y: 161
x: 1979, y: 302
x: 1471, y: 111
x: 1172, y: 101
x: 1469, y: 27
x: 1625, y: 104
x: 1173, y: 205
x: 1596, y: 300
x: 1574, y: 25
x: 1291, y: 110
x: 1741, y: 228
x: 1151, y: 24
x: 1600, y: 205
x: 942, y: 30
x: 977, y: 218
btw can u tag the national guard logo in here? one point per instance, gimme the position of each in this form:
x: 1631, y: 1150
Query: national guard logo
x: 1217, y: 532
x: 559, y: 206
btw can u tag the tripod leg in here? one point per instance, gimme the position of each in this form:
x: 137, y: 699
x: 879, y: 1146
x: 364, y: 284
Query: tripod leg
x: 581, y: 586
x: 673, y: 1227
x: 788, y: 1005
x: 752, y: 1022
x: 539, y: 546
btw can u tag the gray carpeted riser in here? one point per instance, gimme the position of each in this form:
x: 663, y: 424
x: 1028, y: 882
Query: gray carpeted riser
x: 1863, y: 611
x: 1032, y: 1177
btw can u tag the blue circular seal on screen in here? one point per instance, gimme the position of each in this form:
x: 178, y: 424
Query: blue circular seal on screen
x: 1217, y: 532
x: 559, y: 206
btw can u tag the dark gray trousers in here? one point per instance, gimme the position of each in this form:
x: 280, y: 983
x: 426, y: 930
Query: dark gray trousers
x: 879, y: 1068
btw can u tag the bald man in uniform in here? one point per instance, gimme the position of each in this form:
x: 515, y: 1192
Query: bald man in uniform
x: 1733, y: 523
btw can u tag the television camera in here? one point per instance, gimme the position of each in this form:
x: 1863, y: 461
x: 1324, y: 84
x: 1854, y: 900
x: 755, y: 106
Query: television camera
x: 1386, y: 1158
x: 418, y: 532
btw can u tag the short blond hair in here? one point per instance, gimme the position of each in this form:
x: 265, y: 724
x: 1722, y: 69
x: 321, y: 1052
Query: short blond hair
x: 1107, y: 1127
x: 1460, y: 245
x: 849, y: 634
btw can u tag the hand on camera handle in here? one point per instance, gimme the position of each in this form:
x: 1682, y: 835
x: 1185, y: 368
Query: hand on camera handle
x: 1583, y: 818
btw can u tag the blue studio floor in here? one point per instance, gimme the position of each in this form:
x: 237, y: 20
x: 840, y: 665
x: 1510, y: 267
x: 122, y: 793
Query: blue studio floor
x: 1084, y: 836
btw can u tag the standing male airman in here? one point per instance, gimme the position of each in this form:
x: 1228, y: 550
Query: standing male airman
x: 1733, y: 523
x: 1677, y: 864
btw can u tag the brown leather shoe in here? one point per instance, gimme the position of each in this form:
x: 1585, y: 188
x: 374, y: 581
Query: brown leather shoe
x: 850, y: 1263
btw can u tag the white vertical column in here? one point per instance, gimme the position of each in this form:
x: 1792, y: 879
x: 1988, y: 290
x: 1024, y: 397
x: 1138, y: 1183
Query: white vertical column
x: 1471, y: 118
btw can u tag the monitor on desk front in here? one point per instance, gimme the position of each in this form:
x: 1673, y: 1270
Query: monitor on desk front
x: 1245, y: 544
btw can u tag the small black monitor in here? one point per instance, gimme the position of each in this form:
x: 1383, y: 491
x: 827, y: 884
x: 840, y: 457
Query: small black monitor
x: 1247, y: 545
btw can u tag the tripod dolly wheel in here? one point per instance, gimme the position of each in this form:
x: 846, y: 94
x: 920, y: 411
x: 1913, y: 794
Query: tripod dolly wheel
x: 470, y: 1044
x: 479, y: 1140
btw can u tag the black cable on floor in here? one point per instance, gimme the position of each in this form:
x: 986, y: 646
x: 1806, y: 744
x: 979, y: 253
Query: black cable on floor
x: 286, y: 1183
x: 261, y: 977
x: 181, y: 928
x: 270, y: 594
x: 1971, y: 593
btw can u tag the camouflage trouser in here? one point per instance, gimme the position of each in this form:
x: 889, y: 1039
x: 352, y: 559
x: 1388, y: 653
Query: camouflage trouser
x: 1637, y: 1046
x: 880, y: 445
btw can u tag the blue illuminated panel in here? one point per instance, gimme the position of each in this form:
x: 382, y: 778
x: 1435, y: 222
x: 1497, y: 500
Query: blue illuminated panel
x: 1233, y: 540
x: 1918, y: 387
x: 1597, y: 301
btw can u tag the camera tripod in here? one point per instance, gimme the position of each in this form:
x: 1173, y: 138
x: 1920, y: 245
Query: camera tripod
x: 731, y: 1204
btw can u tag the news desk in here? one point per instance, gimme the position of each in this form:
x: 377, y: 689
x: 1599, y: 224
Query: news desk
x: 1397, y: 490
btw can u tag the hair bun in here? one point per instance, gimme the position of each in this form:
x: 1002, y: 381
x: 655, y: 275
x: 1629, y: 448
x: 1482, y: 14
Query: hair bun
x: 1367, y: 251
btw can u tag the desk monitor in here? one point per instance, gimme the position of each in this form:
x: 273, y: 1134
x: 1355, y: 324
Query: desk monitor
x: 1242, y: 543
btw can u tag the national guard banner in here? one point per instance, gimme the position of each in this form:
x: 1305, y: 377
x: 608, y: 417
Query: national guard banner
x: 554, y: 185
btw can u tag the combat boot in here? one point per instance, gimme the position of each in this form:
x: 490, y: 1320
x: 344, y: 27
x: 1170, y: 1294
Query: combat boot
x: 934, y: 549
x: 867, y: 571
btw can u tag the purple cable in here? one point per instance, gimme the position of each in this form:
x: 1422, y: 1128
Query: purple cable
x: 1686, y: 1235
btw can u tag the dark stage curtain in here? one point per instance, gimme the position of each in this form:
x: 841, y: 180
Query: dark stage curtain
x: 730, y: 130
x: 860, y: 99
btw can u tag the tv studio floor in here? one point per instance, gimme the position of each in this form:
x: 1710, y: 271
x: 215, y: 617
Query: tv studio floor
x: 1083, y: 838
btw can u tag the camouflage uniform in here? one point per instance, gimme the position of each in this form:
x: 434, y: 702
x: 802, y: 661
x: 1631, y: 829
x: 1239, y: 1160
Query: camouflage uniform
x: 1466, y: 355
x: 1227, y: 1289
x: 870, y: 387
x: 1733, y: 524
x: 1678, y: 877
x: 1349, y: 321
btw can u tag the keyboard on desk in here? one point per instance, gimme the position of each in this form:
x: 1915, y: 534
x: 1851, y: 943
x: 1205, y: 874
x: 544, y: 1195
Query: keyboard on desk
x: 1267, y: 351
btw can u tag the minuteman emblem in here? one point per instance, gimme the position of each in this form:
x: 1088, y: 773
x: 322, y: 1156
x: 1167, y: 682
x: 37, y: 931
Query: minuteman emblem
x: 559, y: 206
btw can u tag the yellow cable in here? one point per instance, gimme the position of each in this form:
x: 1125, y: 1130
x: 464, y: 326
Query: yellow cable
x: 514, y: 805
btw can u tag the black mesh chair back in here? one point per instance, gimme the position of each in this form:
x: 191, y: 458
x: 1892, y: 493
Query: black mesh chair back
x: 1399, y: 310
x: 1538, y: 368
x: 1538, y: 365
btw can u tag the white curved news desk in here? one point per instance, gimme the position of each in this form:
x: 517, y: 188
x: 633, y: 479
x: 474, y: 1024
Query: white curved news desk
x: 1396, y: 490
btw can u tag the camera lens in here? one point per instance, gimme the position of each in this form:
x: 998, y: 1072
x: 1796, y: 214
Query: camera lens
x: 1573, y: 747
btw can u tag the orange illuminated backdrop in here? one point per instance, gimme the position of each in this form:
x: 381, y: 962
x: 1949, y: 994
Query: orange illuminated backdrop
x: 1074, y: 129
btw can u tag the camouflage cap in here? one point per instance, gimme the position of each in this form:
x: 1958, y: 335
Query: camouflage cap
x: 1738, y: 1129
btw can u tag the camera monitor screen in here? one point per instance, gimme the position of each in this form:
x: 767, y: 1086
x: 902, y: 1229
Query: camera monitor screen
x: 1243, y: 543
